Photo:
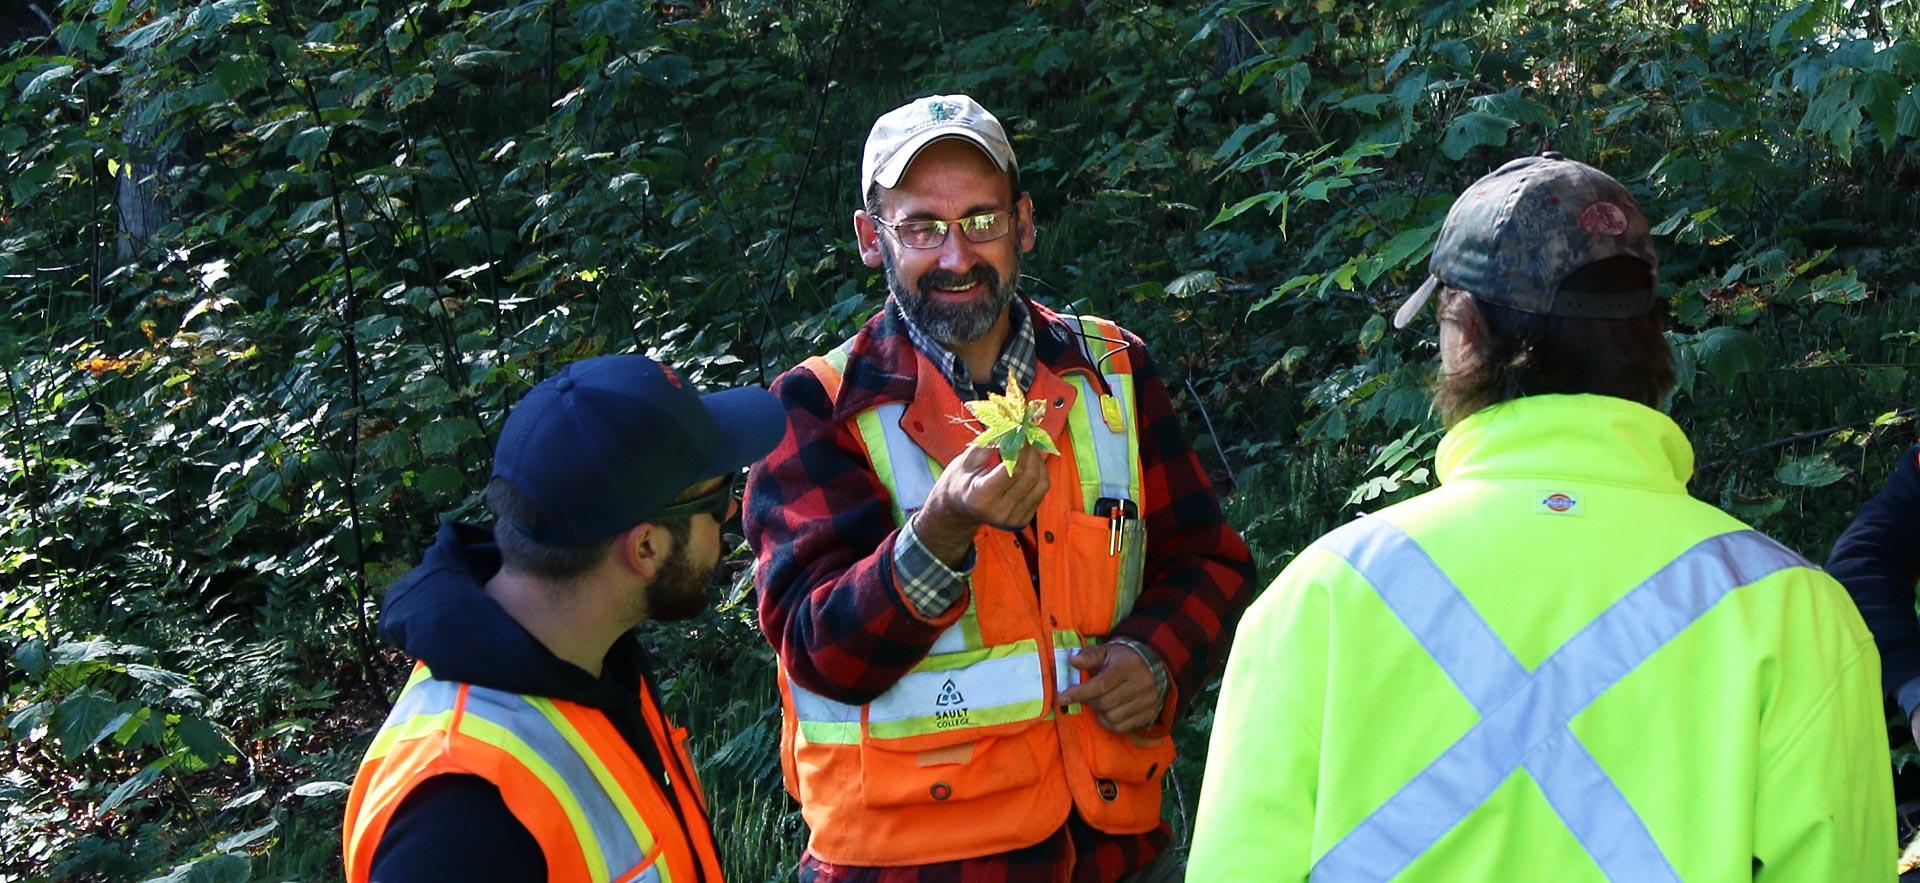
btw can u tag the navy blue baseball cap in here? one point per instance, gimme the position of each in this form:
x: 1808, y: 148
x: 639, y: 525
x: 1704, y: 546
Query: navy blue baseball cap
x: 607, y: 442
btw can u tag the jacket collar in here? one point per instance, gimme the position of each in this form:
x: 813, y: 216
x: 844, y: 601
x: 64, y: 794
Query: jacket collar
x: 1592, y: 438
x: 883, y: 366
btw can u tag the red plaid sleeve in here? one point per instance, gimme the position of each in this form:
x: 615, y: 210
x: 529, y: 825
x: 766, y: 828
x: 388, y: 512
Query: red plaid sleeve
x: 1198, y: 575
x: 821, y: 525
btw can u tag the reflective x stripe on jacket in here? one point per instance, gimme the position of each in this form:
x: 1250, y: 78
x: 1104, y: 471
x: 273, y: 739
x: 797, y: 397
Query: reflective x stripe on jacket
x: 1525, y: 714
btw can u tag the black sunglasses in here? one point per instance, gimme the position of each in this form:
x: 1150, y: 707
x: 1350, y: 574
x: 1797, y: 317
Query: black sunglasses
x: 717, y: 503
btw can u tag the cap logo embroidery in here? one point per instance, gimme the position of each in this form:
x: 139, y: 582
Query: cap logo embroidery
x: 1604, y: 219
x: 672, y: 377
x: 940, y: 112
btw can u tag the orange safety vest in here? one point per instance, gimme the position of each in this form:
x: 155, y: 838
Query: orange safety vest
x: 966, y: 755
x: 563, y: 770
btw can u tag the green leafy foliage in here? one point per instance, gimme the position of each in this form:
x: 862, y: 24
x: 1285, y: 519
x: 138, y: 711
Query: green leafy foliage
x: 275, y: 269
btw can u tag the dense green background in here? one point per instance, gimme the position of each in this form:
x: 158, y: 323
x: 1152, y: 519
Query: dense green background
x: 273, y: 269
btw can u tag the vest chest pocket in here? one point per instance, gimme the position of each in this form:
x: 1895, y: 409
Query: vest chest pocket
x: 1104, y: 568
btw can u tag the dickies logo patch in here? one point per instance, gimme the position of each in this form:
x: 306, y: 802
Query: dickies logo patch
x: 1559, y: 503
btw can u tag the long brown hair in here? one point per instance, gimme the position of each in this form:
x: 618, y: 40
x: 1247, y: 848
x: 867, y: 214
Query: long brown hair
x: 1511, y: 354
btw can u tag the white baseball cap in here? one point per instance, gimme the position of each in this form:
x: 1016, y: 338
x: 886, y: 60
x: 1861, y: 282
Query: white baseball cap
x: 899, y: 134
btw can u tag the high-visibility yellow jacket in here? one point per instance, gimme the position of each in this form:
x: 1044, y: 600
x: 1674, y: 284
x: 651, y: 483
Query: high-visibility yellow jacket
x: 1556, y: 666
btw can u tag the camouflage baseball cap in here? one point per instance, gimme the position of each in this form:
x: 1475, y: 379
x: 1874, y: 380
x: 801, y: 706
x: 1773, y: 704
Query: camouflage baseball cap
x: 1519, y: 232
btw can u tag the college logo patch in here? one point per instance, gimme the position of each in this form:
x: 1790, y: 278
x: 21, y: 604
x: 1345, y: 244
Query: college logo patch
x: 1604, y: 219
x: 1559, y: 503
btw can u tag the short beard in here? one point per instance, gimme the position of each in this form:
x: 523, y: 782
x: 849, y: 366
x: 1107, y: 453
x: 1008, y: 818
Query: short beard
x: 679, y: 589
x: 952, y: 324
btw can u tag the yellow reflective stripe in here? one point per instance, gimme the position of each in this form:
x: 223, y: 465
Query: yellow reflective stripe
x: 415, y: 727
x: 1080, y: 435
x: 421, y: 699
x: 608, y: 783
x: 823, y: 721
x: 868, y: 422
x: 837, y: 357
x: 830, y: 733
x: 500, y: 737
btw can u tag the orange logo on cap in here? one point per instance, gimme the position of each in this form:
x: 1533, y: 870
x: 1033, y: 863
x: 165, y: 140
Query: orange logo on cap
x: 672, y: 377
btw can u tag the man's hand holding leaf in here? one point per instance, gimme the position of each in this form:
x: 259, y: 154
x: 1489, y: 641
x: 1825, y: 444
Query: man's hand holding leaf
x: 998, y: 480
x: 1009, y: 422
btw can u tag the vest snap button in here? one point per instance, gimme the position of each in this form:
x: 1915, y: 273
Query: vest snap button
x: 1108, y: 791
x: 1049, y: 536
x: 941, y: 791
x: 919, y: 427
x: 1060, y: 402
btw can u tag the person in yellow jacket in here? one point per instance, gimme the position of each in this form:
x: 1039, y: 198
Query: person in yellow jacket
x: 1557, y: 665
x: 530, y: 744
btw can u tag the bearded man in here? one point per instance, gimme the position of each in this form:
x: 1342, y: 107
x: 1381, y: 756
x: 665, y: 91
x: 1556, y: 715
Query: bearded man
x: 530, y: 743
x: 981, y: 660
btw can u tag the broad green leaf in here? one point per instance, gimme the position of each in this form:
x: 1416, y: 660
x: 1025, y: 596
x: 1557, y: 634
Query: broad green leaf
x: 446, y: 436
x: 203, y: 740
x: 244, y: 839
x: 1727, y: 352
x: 411, y: 91
x: 81, y: 720
x: 31, y: 656
x: 440, y: 479
x: 1474, y: 129
x: 47, y: 81
x: 134, y: 785
x: 226, y: 867
x: 1817, y: 470
x: 319, y: 788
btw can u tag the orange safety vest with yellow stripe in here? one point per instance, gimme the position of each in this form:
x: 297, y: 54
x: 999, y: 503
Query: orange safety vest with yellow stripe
x: 967, y: 755
x: 563, y: 770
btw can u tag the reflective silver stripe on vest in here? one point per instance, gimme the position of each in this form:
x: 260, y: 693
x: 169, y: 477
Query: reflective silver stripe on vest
x: 620, y: 849
x: 1524, y: 715
x: 1109, y: 447
x: 811, y: 706
x: 989, y: 683
x: 912, y: 474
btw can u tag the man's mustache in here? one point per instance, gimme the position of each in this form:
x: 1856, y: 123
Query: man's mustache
x: 980, y: 274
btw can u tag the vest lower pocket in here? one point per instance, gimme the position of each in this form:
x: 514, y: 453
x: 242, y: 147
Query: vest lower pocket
x: 1120, y: 789
x: 958, y: 771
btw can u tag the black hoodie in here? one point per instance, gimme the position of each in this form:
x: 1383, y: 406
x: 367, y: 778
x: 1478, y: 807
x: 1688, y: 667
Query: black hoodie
x: 1878, y: 560
x: 457, y: 827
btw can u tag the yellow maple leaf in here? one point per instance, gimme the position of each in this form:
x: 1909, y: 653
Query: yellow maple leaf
x: 1009, y: 421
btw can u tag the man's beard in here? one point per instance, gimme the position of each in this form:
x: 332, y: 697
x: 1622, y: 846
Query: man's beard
x: 953, y: 324
x: 679, y: 590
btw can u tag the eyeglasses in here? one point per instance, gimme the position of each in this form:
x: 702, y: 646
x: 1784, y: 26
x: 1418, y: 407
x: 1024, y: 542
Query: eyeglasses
x: 719, y: 503
x: 932, y: 232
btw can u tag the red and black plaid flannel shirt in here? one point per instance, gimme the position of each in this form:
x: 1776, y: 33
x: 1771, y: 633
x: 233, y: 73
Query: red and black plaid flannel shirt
x: 822, y: 527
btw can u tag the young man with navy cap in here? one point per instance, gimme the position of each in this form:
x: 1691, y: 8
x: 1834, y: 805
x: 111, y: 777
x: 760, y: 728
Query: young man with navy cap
x: 529, y: 743
x: 1557, y: 665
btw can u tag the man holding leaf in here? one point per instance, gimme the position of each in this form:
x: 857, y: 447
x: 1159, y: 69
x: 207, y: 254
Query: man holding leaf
x: 989, y: 561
